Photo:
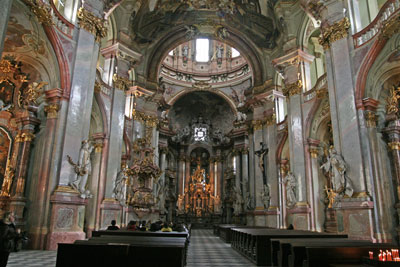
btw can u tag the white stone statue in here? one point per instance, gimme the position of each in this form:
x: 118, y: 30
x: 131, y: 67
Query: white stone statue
x: 290, y: 182
x: 83, y: 168
x: 265, y: 196
x: 336, y: 167
x: 241, y: 117
x: 119, y: 192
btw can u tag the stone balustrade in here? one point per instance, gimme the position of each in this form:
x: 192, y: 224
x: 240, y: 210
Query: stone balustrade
x: 61, y: 23
x: 388, y: 10
x: 321, y: 84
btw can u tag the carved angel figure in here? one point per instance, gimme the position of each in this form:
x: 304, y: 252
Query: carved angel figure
x: 290, y: 182
x: 7, y: 182
x: 82, y: 168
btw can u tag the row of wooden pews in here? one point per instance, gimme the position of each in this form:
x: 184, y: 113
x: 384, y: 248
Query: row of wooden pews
x: 281, y: 247
x: 126, y: 248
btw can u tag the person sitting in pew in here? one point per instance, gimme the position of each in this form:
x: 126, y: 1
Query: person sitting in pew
x: 131, y: 226
x: 113, y: 226
x: 166, y: 228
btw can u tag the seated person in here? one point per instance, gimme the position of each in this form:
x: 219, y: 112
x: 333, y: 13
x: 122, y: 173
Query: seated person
x: 166, y: 228
x: 131, y: 226
x: 113, y: 226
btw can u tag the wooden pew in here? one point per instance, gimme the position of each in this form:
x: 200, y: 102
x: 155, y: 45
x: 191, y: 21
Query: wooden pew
x: 139, y: 233
x: 255, y: 244
x: 308, y: 254
x: 109, y: 250
x: 282, y: 248
x: 224, y: 231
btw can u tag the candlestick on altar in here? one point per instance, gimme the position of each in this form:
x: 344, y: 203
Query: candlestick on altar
x: 371, y: 255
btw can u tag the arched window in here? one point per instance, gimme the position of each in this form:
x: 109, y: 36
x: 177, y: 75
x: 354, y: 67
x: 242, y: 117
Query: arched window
x: 202, y: 50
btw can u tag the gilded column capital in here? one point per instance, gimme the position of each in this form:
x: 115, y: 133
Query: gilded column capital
x: 244, y: 150
x: 98, y: 147
x: 121, y: 83
x: 42, y: 11
x: 270, y: 119
x: 313, y: 152
x: 395, y: 145
x: 164, y: 150
x: 257, y: 124
x: 92, y: 24
x: 52, y: 110
x: 370, y: 118
x: 293, y: 88
x: 334, y: 32
x: 24, y: 137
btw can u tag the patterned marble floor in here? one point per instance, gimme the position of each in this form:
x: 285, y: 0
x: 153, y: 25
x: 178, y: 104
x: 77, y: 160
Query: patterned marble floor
x: 205, y: 250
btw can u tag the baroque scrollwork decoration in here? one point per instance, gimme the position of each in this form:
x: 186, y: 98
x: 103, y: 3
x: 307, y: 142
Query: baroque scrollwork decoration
x: 335, y: 32
x: 52, y: 110
x: 121, y: 83
x: 390, y: 27
x: 392, y: 101
x: 41, y: 10
x: 92, y: 24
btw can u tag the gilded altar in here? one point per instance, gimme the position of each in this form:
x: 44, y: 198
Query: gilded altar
x: 198, y: 194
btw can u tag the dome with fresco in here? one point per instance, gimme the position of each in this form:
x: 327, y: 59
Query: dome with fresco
x: 204, y: 63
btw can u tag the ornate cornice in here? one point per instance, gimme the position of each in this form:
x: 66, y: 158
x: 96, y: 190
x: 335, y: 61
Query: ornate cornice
x: 335, y: 32
x: 92, y: 24
x: 121, y: 83
x: 293, y: 88
x: 52, y: 110
x: 42, y: 11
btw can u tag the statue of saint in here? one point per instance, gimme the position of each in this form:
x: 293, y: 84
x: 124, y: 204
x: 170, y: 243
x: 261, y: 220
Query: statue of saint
x: 83, y: 169
x: 119, y: 192
x: 336, y: 167
x: 265, y: 196
x: 290, y: 182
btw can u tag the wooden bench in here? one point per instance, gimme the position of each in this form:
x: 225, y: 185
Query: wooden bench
x: 321, y: 254
x: 281, y: 248
x: 224, y: 231
x: 109, y: 250
x: 139, y: 233
x: 255, y: 244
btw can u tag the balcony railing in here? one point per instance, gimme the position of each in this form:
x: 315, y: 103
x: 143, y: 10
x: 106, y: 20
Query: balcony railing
x: 388, y: 10
x: 61, y: 23
x: 320, y: 85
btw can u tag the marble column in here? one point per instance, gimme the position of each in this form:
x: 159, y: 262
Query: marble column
x: 295, y: 68
x: 270, y: 137
x: 5, y: 9
x: 252, y: 168
x: 283, y: 169
x: 245, y: 174
x: 219, y: 177
x: 67, y: 219
x: 181, y: 180
x: 93, y: 184
x: 375, y: 177
x: 40, y: 204
x: 345, y: 120
x: 316, y: 205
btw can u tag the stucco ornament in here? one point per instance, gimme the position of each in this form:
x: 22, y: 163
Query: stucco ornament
x: 265, y: 196
x: 238, y: 201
